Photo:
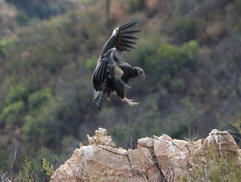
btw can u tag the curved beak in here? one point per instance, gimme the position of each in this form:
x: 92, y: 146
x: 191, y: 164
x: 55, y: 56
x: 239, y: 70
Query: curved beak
x: 143, y: 76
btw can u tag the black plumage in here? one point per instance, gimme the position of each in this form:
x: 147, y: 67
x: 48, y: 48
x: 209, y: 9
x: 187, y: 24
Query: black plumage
x: 121, y: 38
x: 111, y: 74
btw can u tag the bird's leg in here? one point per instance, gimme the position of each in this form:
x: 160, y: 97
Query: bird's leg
x: 129, y: 101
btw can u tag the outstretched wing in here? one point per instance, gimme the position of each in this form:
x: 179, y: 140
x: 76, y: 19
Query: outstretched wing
x: 100, y: 73
x: 122, y: 38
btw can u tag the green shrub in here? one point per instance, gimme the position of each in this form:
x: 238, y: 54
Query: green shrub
x: 183, y: 28
x: 35, y: 129
x: 166, y: 59
x: 91, y: 63
x: 12, y: 112
x: 38, y: 98
x: 22, y: 19
x: 27, y: 171
x: 17, y: 93
x: 5, y: 44
x: 5, y: 159
x: 188, y: 106
x: 191, y: 48
x: 236, y: 122
x: 49, y: 170
x: 121, y: 134
x: 144, y: 50
x: 48, y: 124
x: 42, y: 8
x: 14, y: 108
x: 216, y: 169
x: 170, y: 59
x: 136, y: 5
x: 35, y: 170
x: 238, y: 6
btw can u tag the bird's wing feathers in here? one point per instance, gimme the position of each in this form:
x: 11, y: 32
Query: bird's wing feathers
x: 100, y: 74
x: 127, y: 25
x: 124, y: 37
x: 121, y: 38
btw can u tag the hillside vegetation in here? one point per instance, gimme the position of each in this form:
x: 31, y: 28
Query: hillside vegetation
x: 189, y: 49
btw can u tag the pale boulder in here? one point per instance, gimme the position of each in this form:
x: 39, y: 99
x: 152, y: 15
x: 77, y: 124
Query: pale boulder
x: 157, y: 159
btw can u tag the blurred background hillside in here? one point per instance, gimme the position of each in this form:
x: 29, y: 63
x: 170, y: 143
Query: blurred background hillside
x: 189, y: 49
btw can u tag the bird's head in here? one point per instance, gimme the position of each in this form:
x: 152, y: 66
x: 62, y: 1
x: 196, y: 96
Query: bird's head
x: 141, y: 73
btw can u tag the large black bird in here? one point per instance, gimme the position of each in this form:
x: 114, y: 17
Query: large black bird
x: 111, y: 74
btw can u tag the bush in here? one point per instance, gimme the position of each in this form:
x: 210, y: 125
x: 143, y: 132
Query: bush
x: 42, y: 8
x: 166, y: 59
x: 12, y: 112
x: 5, y: 44
x: 48, y: 124
x: 36, y: 127
x: 27, y: 171
x: 170, y: 59
x: 122, y: 134
x: 136, y: 5
x: 35, y: 170
x: 38, y: 98
x: 22, y: 19
x: 17, y: 93
x: 91, y: 63
x: 47, y: 168
x: 238, y: 6
x: 236, y: 122
x: 216, y: 169
x: 5, y: 159
x: 184, y: 29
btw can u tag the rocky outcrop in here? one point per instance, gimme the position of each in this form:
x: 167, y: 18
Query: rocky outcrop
x: 156, y: 159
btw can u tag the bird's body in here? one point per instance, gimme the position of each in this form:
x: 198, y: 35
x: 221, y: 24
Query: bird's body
x: 111, y: 75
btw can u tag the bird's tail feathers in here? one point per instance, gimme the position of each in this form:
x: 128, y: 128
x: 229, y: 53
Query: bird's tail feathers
x: 99, y: 98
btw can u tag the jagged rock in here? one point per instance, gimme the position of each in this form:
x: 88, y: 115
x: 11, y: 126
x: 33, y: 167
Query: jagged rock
x: 157, y: 159
x: 223, y: 142
x: 172, y: 155
x: 101, y: 138
x: 146, y: 142
x: 149, y: 164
